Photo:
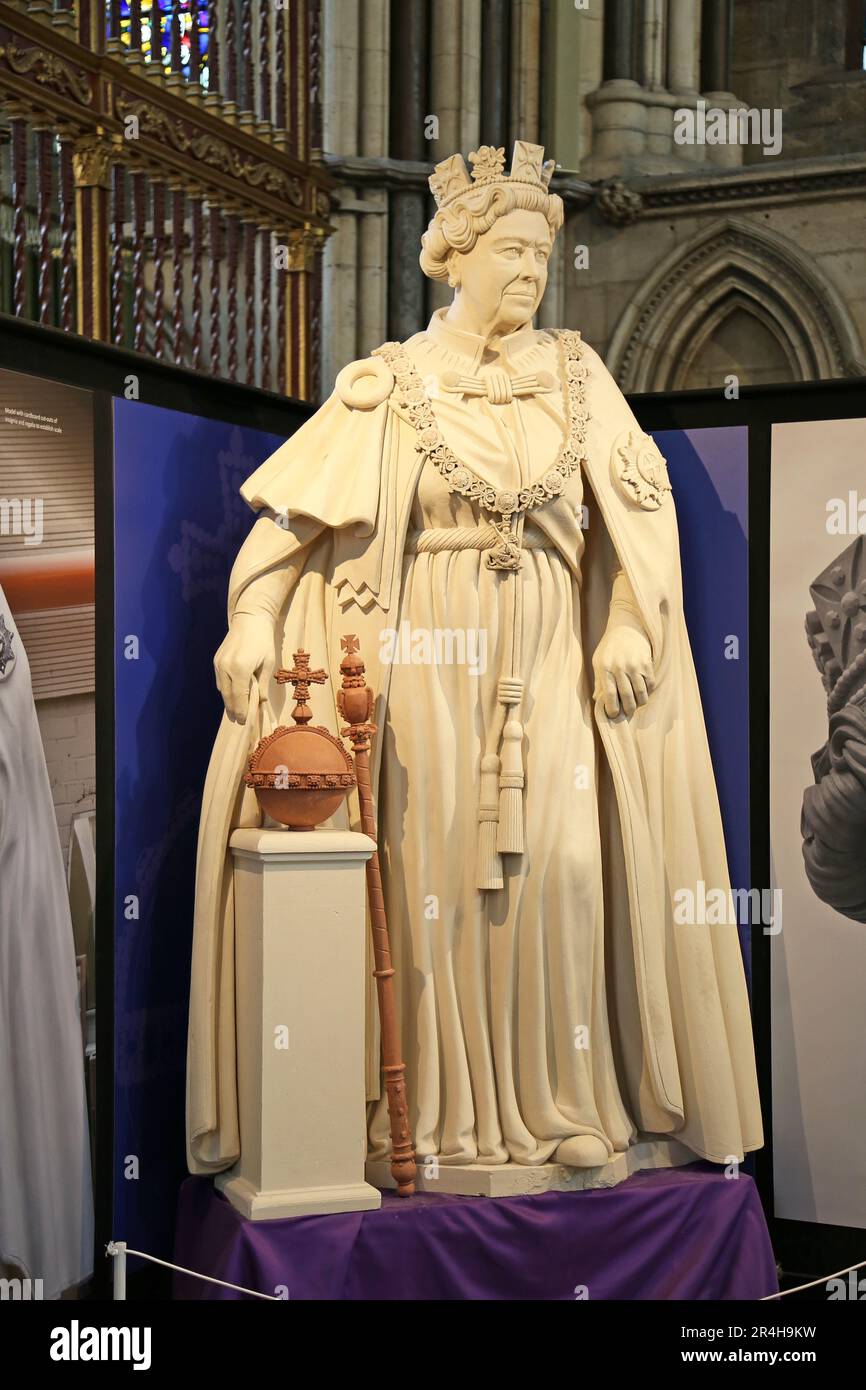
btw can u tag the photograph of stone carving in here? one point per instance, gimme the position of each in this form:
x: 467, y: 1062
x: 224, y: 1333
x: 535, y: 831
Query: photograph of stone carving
x: 834, y: 810
x: 534, y: 816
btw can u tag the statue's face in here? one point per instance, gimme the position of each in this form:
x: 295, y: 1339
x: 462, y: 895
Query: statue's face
x: 501, y: 281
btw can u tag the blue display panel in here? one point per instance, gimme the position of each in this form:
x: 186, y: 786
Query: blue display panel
x: 179, y: 523
x: 709, y: 471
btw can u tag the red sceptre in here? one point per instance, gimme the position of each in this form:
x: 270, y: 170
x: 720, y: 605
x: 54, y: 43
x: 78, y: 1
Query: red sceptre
x: 355, y: 706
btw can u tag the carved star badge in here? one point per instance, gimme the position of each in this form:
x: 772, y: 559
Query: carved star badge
x: 7, y: 656
x: 639, y: 470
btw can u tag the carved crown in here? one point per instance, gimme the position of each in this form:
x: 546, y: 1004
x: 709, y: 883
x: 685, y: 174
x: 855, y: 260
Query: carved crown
x: 450, y: 178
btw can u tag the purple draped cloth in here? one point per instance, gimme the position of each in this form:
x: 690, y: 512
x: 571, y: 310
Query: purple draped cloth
x: 674, y: 1233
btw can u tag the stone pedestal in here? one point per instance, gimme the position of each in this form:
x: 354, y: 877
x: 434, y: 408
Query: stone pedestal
x: 300, y: 961
x: 519, y: 1179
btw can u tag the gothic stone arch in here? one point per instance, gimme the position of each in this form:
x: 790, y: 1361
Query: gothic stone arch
x: 732, y: 265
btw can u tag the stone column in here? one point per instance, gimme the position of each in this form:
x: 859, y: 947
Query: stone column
x: 684, y: 55
x: 472, y: 114
x: 455, y: 77
x: 618, y: 109
x: 567, y: 36
x: 340, y: 105
x: 525, y: 70
x: 717, y: 27
x: 408, y: 207
x: 717, y: 21
x: 654, y: 29
x: 300, y: 984
x: 455, y: 80
x: 372, y: 223
x: 495, y: 80
x: 445, y: 76
x: 620, y: 41
x: 684, y: 46
x: 660, y: 107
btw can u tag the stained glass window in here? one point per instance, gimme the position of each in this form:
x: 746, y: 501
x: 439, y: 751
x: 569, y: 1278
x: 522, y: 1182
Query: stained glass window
x: 156, y: 22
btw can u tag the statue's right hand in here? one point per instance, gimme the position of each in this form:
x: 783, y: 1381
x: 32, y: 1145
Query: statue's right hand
x: 246, y: 654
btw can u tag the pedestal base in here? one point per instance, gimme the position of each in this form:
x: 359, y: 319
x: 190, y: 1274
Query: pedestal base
x: 299, y: 991
x: 307, y: 1201
x: 517, y: 1179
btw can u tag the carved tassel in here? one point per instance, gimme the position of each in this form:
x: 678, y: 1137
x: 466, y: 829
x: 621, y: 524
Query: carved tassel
x: 509, y: 839
x: 488, y: 873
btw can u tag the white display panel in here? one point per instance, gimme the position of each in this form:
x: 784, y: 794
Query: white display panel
x: 819, y: 958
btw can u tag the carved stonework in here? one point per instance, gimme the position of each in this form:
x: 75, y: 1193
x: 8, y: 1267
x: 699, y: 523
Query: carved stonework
x: 639, y: 470
x: 653, y: 342
x: 617, y: 204
x: 810, y: 180
x: 834, y: 809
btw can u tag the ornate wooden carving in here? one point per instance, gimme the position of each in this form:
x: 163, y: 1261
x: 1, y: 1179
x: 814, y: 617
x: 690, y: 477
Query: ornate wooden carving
x: 57, y: 74
x: 19, y: 206
x: 48, y: 70
x: 43, y: 204
x: 280, y: 69
x: 232, y: 249
x: 216, y: 255
x: 175, y: 48
x: 118, y: 222
x: 196, y: 248
x: 282, y: 311
x: 194, y: 46
x: 139, y: 190
x: 253, y: 295
x: 67, y: 206
x: 178, y: 240
x: 135, y: 25
x: 265, y: 302
x: 231, y: 64
x: 158, y: 257
x: 249, y: 98
x: 264, y: 64
x: 213, y: 49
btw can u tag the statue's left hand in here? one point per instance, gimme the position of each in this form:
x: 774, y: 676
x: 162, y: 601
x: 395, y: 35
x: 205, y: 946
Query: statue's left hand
x: 623, y: 670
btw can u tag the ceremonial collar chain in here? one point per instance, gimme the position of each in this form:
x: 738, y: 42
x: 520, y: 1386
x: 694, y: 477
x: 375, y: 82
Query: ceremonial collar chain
x: 505, y: 504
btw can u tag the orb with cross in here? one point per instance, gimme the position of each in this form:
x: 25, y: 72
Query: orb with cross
x: 300, y: 773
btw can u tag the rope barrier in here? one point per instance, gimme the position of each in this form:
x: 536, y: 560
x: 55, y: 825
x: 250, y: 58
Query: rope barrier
x: 118, y: 1250
x: 771, y: 1297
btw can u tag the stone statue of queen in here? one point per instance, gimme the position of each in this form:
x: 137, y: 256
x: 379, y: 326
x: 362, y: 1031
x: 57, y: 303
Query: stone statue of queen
x: 480, y: 506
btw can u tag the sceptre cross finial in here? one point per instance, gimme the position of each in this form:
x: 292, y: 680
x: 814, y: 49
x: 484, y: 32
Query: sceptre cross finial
x: 302, y: 678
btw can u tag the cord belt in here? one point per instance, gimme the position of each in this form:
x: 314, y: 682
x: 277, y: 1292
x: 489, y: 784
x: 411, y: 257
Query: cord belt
x: 468, y: 538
